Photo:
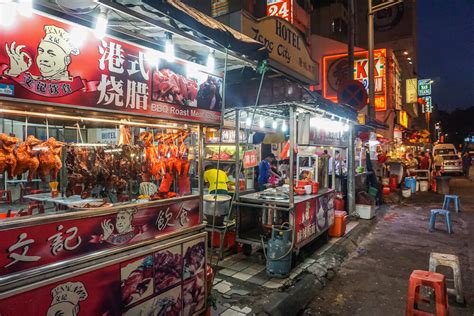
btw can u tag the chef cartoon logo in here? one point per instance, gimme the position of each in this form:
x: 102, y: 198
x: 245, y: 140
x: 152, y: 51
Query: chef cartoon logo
x: 122, y: 232
x: 53, y: 58
x: 66, y: 298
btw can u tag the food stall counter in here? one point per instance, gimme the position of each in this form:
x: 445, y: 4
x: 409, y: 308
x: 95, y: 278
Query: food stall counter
x: 255, y: 198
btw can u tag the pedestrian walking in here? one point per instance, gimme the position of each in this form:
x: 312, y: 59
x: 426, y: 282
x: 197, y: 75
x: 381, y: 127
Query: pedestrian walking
x: 466, y: 163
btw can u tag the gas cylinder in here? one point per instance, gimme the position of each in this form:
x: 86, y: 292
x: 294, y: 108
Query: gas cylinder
x: 279, y: 252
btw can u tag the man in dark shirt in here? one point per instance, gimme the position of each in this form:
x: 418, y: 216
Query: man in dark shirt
x: 264, y: 171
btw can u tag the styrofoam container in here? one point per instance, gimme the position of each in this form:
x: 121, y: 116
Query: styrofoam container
x: 365, y: 211
x: 308, y: 189
x: 424, y: 186
x: 406, y: 192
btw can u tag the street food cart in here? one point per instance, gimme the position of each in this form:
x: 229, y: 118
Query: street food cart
x: 309, y: 215
x: 114, y: 135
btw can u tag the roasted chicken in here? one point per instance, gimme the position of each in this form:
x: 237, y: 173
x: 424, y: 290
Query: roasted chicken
x: 8, y: 160
x: 50, y: 159
x: 26, y: 157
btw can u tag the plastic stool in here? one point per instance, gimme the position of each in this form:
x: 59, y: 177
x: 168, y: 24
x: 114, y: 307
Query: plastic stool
x: 447, y: 216
x: 452, y: 261
x: 456, y: 202
x: 434, y: 280
x: 35, y: 206
x: 6, y: 196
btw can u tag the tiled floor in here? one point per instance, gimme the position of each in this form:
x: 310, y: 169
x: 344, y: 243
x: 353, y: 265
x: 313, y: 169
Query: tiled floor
x: 245, y: 269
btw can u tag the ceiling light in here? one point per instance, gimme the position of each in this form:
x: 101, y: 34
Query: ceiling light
x: 409, y: 58
x: 405, y: 53
x: 169, y: 48
x: 284, y: 127
x: 248, y: 121
x: 261, y: 123
x: 153, y: 58
x: 77, y: 36
x: 211, y: 61
x: 25, y: 7
x: 274, y: 125
x: 7, y: 13
x: 101, y: 23
x: 410, y: 63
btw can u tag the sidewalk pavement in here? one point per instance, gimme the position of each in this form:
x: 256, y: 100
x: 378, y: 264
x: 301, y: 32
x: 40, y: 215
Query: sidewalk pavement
x: 375, y: 281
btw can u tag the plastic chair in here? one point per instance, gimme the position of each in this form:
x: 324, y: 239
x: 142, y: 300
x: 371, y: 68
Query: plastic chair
x: 434, y: 280
x: 447, y: 216
x: 456, y: 201
x: 451, y: 261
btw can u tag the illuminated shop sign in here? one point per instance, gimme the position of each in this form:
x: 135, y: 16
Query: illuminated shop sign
x: 424, y: 87
x: 280, y: 8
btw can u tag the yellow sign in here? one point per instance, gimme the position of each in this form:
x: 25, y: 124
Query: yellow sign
x: 403, y: 118
x: 411, y: 90
x: 284, y: 44
x: 361, y: 118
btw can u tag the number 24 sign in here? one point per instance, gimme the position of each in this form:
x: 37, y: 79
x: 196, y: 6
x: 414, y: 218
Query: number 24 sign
x: 280, y: 8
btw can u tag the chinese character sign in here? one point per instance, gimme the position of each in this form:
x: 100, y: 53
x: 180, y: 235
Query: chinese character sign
x: 280, y: 8
x: 33, y: 246
x: 49, y: 64
x: 424, y: 87
x: 426, y: 106
x: 250, y: 159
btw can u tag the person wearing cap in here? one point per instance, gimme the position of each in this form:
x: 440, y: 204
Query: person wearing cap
x: 217, y: 180
x: 265, y: 171
x: 53, y: 58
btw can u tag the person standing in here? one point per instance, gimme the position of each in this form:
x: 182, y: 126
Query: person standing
x: 265, y: 171
x: 217, y: 180
x: 438, y: 162
x: 466, y: 163
x: 424, y: 161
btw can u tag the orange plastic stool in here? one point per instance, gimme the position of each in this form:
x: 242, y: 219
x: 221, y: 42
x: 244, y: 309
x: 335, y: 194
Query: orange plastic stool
x: 338, y: 229
x: 434, y: 280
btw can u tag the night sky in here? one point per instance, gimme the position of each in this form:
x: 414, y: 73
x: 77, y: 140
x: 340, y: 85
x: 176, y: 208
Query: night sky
x: 446, y: 50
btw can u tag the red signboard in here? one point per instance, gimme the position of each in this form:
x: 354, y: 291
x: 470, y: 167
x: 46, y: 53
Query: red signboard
x: 169, y: 281
x: 313, y: 217
x: 64, y: 64
x: 335, y: 73
x: 46, y: 243
x: 250, y: 159
x: 280, y: 8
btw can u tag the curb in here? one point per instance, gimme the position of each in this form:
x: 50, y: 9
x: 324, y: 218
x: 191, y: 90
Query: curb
x: 299, y: 296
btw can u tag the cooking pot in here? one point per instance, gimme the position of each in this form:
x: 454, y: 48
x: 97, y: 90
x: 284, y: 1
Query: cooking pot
x: 221, y: 203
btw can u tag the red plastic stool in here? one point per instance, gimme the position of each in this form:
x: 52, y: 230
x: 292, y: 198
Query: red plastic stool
x: 35, y: 206
x: 434, y: 280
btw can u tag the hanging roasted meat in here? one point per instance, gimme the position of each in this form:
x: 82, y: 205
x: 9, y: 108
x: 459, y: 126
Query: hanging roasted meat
x: 50, y: 158
x: 26, y: 158
x: 8, y: 160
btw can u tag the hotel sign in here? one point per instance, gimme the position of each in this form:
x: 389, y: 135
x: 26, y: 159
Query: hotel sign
x: 284, y: 44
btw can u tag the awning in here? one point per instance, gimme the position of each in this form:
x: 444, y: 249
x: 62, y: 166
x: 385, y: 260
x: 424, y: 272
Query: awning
x: 328, y: 106
x: 210, y: 28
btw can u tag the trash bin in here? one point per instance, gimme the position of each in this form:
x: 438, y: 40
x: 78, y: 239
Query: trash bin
x: 442, y: 184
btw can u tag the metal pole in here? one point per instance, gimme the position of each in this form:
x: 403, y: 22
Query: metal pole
x: 237, y: 155
x: 292, y: 146
x: 371, y: 108
x: 350, y: 40
x: 351, y: 171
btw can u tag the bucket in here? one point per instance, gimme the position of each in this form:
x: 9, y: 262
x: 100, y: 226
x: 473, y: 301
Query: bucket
x: 393, y: 181
x: 386, y: 190
x: 424, y: 186
x: 315, y: 187
x: 411, y: 183
x: 338, y: 229
x: 406, y: 192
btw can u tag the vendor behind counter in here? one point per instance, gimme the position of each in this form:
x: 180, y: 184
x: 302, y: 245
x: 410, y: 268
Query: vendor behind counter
x: 217, y: 180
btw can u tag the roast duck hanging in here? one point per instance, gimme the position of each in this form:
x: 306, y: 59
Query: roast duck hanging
x: 32, y: 155
x: 167, y: 161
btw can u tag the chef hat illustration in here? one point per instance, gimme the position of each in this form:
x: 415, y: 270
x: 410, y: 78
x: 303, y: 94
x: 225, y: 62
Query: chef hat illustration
x: 72, y: 292
x: 60, y: 37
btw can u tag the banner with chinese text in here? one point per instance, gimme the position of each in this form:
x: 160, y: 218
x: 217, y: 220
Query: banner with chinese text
x: 65, y: 64
x: 170, y: 280
x: 34, y: 246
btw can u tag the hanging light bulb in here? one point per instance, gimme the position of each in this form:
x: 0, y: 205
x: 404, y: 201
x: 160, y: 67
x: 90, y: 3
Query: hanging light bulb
x: 101, y: 23
x: 284, y: 127
x: 77, y: 36
x: 248, y: 121
x: 25, y: 7
x: 211, y: 61
x: 261, y: 123
x: 153, y: 58
x: 274, y: 125
x: 169, y: 48
x: 7, y: 13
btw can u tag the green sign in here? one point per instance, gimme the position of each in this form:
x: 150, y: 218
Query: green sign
x: 424, y: 87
